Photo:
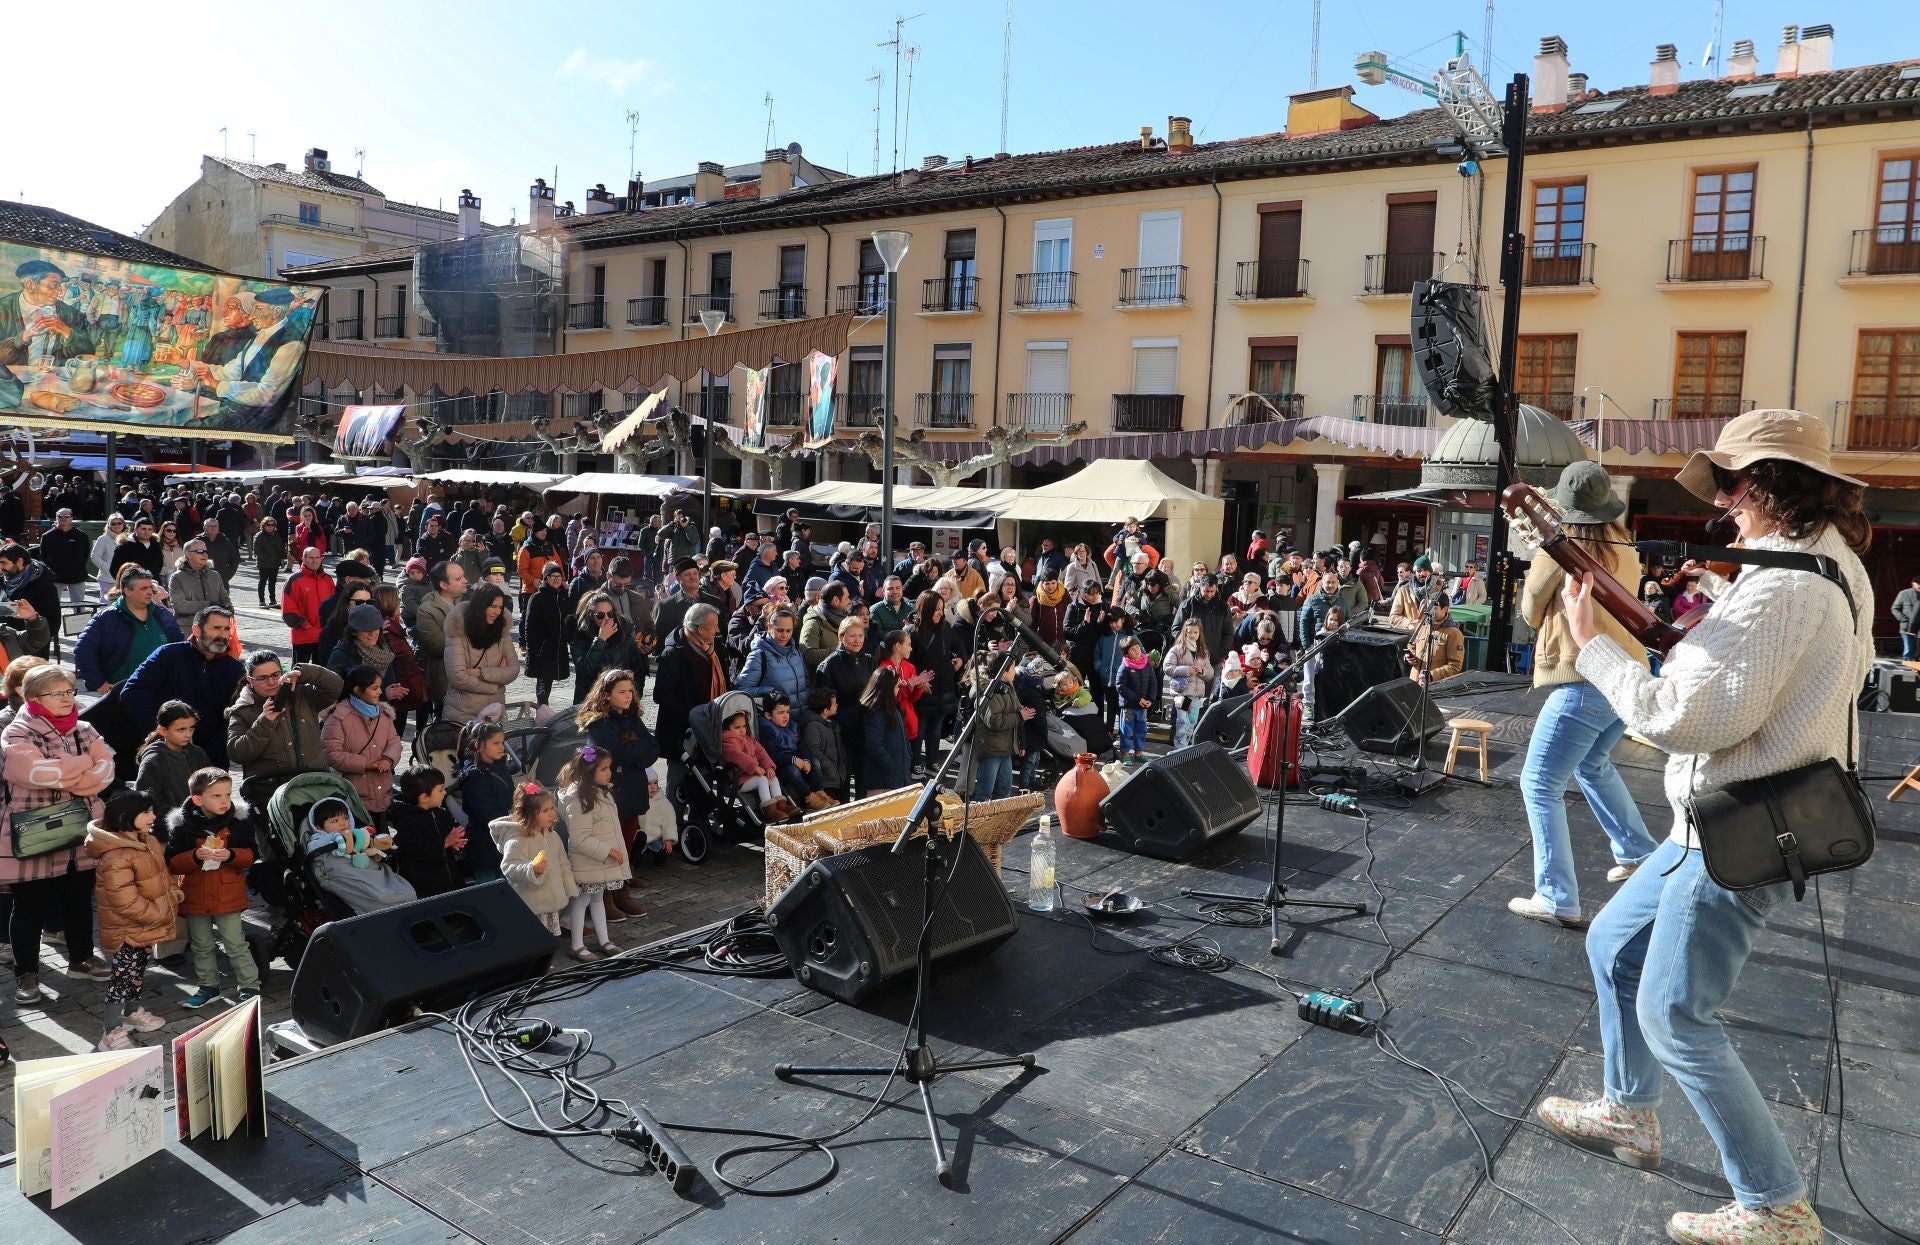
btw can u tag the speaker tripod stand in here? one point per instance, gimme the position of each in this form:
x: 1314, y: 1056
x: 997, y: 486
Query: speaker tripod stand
x: 1275, y: 898
x: 918, y: 1064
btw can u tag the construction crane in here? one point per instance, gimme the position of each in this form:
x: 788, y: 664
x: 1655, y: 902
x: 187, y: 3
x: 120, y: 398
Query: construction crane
x: 1457, y: 88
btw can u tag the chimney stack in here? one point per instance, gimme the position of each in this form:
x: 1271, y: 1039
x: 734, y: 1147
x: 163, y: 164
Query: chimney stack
x: 1665, y: 79
x: 776, y: 175
x: 1786, y: 62
x: 540, y: 204
x: 1576, y: 87
x: 1743, y: 64
x: 635, y: 188
x: 469, y: 214
x: 1146, y: 138
x: 600, y: 200
x: 1550, y: 75
x: 929, y: 163
x: 317, y: 161
x: 709, y: 182
x: 1179, y: 135
x: 1816, y: 49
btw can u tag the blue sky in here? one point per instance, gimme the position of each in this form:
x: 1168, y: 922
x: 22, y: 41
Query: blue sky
x: 491, y: 95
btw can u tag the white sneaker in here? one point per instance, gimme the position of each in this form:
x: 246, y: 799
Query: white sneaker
x: 117, y: 1039
x: 140, y: 1020
x: 1733, y: 1224
x: 1534, y: 910
x: 1620, y: 873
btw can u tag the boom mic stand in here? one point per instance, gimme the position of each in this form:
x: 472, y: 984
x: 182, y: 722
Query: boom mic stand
x: 917, y: 1063
x: 1420, y: 779
x: 1275, y: 897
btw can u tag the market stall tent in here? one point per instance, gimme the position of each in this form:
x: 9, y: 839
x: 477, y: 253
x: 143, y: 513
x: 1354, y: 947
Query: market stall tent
x: 1113, y: 490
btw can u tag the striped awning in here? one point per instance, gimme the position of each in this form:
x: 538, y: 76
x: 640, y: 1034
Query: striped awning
x: 341, y: 366
x: 1401, y: 442
x: 1650, y: 436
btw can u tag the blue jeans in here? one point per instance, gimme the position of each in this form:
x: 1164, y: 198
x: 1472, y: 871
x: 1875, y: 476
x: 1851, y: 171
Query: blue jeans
x: 993, y: 778
x: 926, y: 746
x: 1907, y: 646
x: 1573, y: 738
x: 1133, y: 730
x: 1665, y: 953
x: 793, y: 780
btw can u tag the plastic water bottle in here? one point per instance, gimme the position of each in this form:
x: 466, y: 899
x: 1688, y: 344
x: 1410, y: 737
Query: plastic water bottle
x: 1040, y: 889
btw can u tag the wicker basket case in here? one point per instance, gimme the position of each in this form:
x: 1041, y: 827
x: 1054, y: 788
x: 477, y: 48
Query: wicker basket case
x: 879, y: 819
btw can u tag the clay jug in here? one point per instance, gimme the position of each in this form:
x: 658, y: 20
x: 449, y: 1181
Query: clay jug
x: 1077, y: 796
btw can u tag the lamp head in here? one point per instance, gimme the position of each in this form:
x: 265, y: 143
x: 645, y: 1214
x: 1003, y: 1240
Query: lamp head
x: 711, y: 319
x: 892, y: 245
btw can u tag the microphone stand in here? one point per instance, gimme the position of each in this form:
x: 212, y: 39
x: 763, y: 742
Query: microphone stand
x: 1275, y: 898
x: 917, y: 1063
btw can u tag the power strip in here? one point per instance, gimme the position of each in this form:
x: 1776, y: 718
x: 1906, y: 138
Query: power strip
x: 660, y: 1149
x: 1334, y: 1011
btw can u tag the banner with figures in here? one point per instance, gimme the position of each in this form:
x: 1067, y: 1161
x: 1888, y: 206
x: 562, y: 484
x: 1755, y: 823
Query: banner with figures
x: 820, y: 372
x: 756, y: 408
x: 88, y: 341
x: 365, y: 431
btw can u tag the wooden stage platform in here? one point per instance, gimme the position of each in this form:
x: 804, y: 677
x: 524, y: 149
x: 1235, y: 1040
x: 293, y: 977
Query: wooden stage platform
x: 1169, y: 1105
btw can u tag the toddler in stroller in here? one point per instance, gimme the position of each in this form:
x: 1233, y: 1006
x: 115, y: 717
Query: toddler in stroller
x: 717, y: 805
x: 349, y: 858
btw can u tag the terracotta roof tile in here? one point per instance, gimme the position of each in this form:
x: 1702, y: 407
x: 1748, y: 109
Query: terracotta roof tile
x: 44, y: 226
x: 337, y: 182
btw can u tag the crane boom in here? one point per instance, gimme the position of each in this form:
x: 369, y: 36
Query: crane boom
x: 1457, y: 88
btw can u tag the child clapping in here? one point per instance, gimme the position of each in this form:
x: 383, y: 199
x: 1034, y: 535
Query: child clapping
x: 533, y: 857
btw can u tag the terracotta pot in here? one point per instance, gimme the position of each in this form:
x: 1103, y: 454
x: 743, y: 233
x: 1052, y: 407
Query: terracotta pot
x: 1077, y: 796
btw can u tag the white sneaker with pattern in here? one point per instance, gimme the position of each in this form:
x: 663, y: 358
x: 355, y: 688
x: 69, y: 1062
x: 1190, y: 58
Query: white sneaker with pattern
x: 1733, y: 1224
x: 1630, y: 1134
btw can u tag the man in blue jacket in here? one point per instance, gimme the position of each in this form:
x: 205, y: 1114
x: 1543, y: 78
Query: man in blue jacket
x: 198, y: 670
x: 119, y: 639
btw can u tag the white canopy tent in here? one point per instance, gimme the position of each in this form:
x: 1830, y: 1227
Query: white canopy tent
x: 1113, y: 490
x: 470, y: 475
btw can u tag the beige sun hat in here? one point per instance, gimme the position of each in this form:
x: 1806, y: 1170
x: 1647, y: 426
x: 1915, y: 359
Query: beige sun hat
x: 1792, y: 435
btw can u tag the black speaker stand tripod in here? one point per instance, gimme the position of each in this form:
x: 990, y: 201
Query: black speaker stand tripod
x: 1275, y: 898
x: 917, y: 1063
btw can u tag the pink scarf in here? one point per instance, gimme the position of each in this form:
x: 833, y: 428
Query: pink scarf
x: 63, y: 722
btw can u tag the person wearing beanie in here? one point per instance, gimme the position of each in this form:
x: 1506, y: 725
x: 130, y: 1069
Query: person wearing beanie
x: 1410, y: 596
x: 414, y: 587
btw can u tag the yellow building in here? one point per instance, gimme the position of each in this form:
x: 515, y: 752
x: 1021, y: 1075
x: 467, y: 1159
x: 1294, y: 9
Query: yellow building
x: 1694, y: 249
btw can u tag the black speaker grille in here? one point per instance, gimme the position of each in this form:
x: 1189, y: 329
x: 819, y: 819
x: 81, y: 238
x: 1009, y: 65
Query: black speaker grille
x: 884, y: 887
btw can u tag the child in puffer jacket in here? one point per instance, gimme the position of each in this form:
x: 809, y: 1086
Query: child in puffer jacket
x: 1136, y: 688
x: 659, y: 827
x: 210, y: 844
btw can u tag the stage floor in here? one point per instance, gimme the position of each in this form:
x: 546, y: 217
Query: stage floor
x: 1169, y: 1105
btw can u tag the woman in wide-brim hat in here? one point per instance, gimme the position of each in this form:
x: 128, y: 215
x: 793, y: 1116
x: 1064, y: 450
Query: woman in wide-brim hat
x: 1574, y: 734
x: 1763, y: 684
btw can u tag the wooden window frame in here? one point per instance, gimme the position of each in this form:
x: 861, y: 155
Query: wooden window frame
x: 1539, y: 390
x: 1706, y: 398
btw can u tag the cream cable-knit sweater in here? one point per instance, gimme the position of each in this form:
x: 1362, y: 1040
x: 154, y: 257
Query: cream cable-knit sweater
x: 1764, y: 684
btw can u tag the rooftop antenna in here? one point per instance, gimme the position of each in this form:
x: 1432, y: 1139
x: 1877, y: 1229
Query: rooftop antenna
x: 253, y: 147
x: 769, y: 143
x: 1711, y: 58
x: 876, y: 78
x: 360, y: 161
x: 896, y: 45
x: 906, y: 123
x: 1486, y: 41
x: 633, y: 130
x: 223, y: 142
x: 1313, y: 51
x: 1006, y: 73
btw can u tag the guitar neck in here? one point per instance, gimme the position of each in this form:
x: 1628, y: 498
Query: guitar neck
x: 1611, y: 595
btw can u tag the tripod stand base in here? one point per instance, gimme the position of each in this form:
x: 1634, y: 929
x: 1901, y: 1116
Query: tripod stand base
x: 1275, y: 901
x: 920, y: 1068
x: 1419, y: 781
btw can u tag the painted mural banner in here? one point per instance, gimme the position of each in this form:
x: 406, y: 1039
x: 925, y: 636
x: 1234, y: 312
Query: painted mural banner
x: 820, y: 373
x: 93, y: 342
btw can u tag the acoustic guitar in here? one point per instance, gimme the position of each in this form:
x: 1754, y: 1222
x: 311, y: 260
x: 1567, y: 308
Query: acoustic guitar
x: 1538, y: 521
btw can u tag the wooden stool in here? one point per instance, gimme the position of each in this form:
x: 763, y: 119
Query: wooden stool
x: 1911, y: 780
x: 1469, y: 726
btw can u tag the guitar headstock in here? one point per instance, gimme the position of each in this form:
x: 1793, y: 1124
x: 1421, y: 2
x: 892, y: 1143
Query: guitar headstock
x: 1535, y: 519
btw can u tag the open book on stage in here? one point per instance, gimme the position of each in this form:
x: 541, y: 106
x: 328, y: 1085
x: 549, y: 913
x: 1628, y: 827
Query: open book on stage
x: 216, y: 1076
x: 80, y: 1120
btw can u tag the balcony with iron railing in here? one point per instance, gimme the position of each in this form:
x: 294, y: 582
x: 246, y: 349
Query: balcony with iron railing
x: 1885, y: 251
x: 786, y: 408
x: 427, y: 328
x: 1565, y: 405
x: 1877, y: 424
x: 867, y: 298
x: 860, y: 409
x: 1700, y: 406
x: 591, y: 314
x: 1716, y: 257
x: 1394, y: 272
x: 313, y: 223
x: 536, y: 320
x: 1398, y: 409
x: 1265, y: 408
x: 1043, y: 291
x: 349, y: 328
x: 712, y: 405
x: 1255, y: 279
x: 390, y: 326
x: 788, y: 302
x: 1040, y: 412
x: 945, y: 295
x: 943, y: 410
x: 697, y: 303
x: 1161, y: 286
x: 1559, y: 264
x: 647, y: 312
x: 1147, y: 412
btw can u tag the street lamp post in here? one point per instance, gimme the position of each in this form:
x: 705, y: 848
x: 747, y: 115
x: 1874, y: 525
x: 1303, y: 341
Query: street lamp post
x: 710, y: 319
x: 892, y: 246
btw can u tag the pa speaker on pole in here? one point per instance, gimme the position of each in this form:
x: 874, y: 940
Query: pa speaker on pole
x: 1450, y: 349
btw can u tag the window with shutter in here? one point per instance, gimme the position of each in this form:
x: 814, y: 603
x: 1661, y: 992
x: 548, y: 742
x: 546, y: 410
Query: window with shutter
x: 1271, y: 369
x: 1279, y: 269
x: 1708, y: 375
x: 1047, y: 367
x: 1720, y: 240
x: 1050, y: 284
x: 1409, y: 255
x: 1544, y: 377
x: 1886, y: 390
x: 1896, y: 220
x: 1155, y: 368
x: 720, y: 273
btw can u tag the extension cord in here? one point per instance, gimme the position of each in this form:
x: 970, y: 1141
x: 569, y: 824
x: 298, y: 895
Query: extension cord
x: 660, y: 1149
x: 1333, y: 1011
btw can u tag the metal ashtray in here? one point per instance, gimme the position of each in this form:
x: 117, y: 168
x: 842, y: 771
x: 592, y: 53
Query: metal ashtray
x: 1114, y: 904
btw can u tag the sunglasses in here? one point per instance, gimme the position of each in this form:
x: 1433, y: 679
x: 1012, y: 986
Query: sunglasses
x: 602, y: 615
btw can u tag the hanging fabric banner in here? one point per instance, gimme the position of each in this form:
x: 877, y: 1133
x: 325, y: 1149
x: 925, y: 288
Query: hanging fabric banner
x: 756, y: 408
x: 109, y: 344
x: 820, y: 372
x: 365, y: 430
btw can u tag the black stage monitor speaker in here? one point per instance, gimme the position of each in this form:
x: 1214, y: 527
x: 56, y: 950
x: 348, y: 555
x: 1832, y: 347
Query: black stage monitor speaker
x: 850, y: 925
x: 1361, y: 658
x: 1228, y: 723
x: 1179, y: 803
x: 1396, y: 718
x: 362, y: 974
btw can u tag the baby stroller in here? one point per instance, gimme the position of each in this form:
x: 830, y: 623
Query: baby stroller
x: 716, y: 809
x: 284, y: 873
x: 438, y: 746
